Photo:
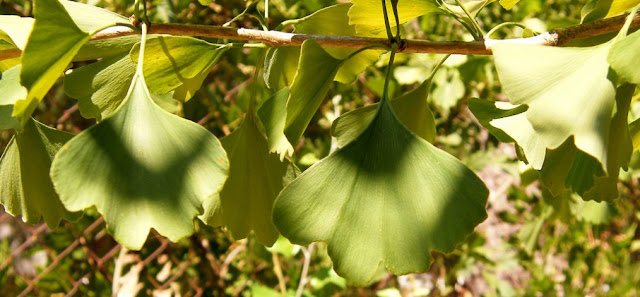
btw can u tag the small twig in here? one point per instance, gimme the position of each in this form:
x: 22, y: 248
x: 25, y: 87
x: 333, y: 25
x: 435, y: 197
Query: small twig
x: 278, y: 271
x: 305, y: 268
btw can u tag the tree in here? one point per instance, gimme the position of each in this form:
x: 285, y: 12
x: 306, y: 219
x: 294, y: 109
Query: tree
x: 385, y: 196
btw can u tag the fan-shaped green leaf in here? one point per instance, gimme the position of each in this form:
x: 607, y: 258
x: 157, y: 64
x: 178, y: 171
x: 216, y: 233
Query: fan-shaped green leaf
x: 90, y: 18
x: 367, y: 15
x: 100, y: 87
x: 15, y: 29
x: 282, y: 62
x: 25, y: 187
x: 142, y: 168
x: 11, y: 91
x: 387, y: 198
x: 624, y: 57
x: 42, y: 60
x: 174, y: 61
x: 311, y: 83
x: 411, y: 108
x: 567, y: 92
x: 255, y: 179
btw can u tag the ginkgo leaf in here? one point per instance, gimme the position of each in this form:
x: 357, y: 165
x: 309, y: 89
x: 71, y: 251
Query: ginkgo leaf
x: 411, y: 108
x: 255, y: 180
x: 311, y: 83
x: 508, y: 4
x: 567, y: 92
x: 25, y: 187
x: 624, y: 57
x: 142, y: 168
x: 100, y: 87
x: 273, y: 115
x: 387, y: 198
x: 333, y: 20
x: 282, y: 62
x: 11, y: 91
x: 366, y: 15
x: 44, y: 61
x: 173, y: 61
x: 91, y: 18
x: 15, y: 29
x: 600, y: 9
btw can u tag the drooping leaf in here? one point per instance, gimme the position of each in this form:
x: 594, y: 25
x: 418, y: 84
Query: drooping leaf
x: 624, y: 57
x: 107, y: 48
x: 100, y: 87
x: 387, y: 198
x: 44, y: 61
x: 142, y: 168
x: 11, y: 91
x: 600, y: 9
x: 508, y: 4
x: 255, y: 180
x: 25, y: 187
x: 310, y: 85
x: 273, y: 115
x: 281, y: 62
x: 334, y: 20
x: 174, y: 61
x: 91, y: 18
x: 15, y: 29
x: 411, y: 108
x: 367, y: 15
x: 567, y: 92
x: 593, y: 212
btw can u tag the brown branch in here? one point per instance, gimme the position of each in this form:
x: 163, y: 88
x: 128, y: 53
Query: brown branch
x: 555, y: 37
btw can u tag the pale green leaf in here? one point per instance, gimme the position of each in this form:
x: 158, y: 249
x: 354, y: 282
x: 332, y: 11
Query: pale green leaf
x: 508, y: 4
x: 386, y: 199
x: 634, y: 131
x: 107, y: 48
x: 174, y: 61
x: 15, y: 29
x: 567, y: 92
x: 596, y: 213
x: 11, y: 91
x: 100, y: 87
x: 449, y: 88
x: 624, y: 57
x: 411, y: 108
x: 25, y: 187
x: 142, y: 168
x: 334, y: 20
x: 367, y: 15
x: 273, y: 115
x: 600, y: 9
x: 313, y: 79
x: 310, y: 85
x: 43, y: 61
x: 90, y: 18
x: 255, y: 179
x: 281, y: 62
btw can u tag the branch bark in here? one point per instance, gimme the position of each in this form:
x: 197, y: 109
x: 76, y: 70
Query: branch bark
x: 555, y: 37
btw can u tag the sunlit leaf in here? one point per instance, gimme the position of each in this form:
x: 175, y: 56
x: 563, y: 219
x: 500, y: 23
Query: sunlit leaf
x: 411, y: 108
x: 593, y: 212
x: 600, y: 9
x: 44, y: 61
x: 367, y: 15
x: 142, y: 168
x: 567, y: 92
x: 100, y: 87
x: 508, y: 4
x: 11, y: 91
x: 624, y: 57
x: 449, y: 88
x: 90, y: 18
x: 255, y: 180
x: 310, y: 85
x: 15, y: 29
x: 386, y: 199
x: 174, y: 61
x: 281, y: 62
x: 25, y: 187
